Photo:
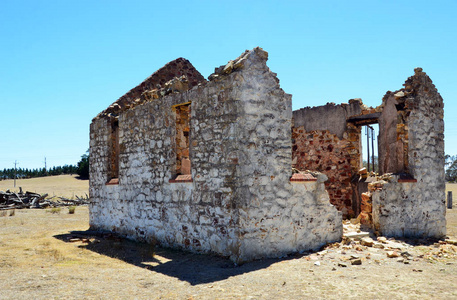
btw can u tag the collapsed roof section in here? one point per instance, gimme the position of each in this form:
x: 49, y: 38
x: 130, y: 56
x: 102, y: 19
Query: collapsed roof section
x: 178, y: 74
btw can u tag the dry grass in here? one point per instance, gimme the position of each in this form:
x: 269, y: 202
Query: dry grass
x: 38, y: 260
x: 451, y: 215
x: 451, y: 187
x: 63, y: 185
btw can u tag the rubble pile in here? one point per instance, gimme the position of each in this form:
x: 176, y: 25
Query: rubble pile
x: 360, y: 247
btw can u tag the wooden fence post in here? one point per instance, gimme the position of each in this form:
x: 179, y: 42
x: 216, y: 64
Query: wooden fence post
x: 449, y: 199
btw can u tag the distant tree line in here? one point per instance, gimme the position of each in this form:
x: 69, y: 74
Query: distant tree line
x: 40, y: 172
x: 82, y: 169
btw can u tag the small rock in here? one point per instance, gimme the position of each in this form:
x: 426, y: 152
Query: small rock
x: 417, y: 270
x: 342, y: 265
x: 366, y: 241
x: 239, y: 64
x: 353, y: 256
x: 378, y: 245
x: 317, y: 263
x: 399, y: 94
x: 394, y: 245
x: 401, y: 259
x: 356, y: 236
x: 392, y: 254
x: 357, y: 261
x: 406, y: 254
x: 452, y: 242
x: 382, y: 239
x: 228, y: 67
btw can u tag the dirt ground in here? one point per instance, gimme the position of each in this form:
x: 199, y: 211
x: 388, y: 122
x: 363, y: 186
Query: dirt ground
x: 43, y: 256
x: 67, y: 186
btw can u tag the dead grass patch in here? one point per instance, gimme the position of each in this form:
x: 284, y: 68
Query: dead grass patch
x: 37, y: 260
x: 67, y: 186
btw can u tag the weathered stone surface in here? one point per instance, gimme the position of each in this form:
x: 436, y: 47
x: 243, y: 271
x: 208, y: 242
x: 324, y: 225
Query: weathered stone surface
x: 335, y: 120
x: 239, y: 202
x: 325, y: 152
x: 410, y: 209
x: 412, y: 141
x: 206, y: 166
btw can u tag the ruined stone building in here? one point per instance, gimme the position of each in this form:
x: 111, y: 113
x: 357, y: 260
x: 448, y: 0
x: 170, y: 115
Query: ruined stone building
x: 207, y: 165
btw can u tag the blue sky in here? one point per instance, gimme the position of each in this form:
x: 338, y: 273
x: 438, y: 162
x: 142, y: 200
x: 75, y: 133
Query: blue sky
x: 62, y: 62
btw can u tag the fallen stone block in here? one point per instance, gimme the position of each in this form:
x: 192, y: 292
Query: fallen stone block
x: 392, y: 254
x: 366, y: 241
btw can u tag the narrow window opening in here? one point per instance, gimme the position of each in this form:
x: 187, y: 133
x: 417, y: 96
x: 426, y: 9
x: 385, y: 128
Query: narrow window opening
x: 183, y: 163
x: 113, y: 177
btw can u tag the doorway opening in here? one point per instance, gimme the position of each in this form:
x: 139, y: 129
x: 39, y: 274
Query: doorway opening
x: 370, y: 147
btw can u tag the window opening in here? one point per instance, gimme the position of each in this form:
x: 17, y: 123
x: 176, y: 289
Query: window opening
x: 370, y: 148
x: 114, y: 155
x: 183, y: 139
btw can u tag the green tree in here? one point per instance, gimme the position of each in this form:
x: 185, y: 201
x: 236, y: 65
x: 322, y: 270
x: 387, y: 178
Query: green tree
x: 451, y: 168
x: 83, y: 166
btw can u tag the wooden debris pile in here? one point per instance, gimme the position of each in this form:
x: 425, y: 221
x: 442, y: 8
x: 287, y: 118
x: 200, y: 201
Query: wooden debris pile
x: 10, y: 200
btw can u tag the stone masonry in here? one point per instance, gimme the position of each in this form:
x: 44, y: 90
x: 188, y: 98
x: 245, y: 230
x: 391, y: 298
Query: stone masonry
x: 412, y: 204
x: 238, y: 200
x: 224, y: 166
x: 407, y: 198
x: 330, y: 145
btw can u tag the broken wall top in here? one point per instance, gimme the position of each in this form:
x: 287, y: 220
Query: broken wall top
x: 179, y: 74
x: 248, y: 58
x: 329, y: 117
x: 417, y: 89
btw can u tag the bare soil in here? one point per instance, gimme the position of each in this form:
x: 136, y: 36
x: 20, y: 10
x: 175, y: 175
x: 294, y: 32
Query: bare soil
x: 46, y: 255
x: 43, y: 256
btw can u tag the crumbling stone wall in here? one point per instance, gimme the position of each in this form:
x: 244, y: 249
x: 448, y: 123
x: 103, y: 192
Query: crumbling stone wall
x: 324, y: 141
x: 325, y: 152
x: 238, y: 201
x: 413, y: 203
x: 161, y: 80
x: 393, y: 135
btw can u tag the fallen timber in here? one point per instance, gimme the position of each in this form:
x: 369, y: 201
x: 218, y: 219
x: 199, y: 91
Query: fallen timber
x: 14, y: 200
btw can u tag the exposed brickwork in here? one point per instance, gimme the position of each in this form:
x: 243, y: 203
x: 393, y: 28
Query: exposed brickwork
x: 366, y: 208
x: 302, y: 177
x: 337, y: 158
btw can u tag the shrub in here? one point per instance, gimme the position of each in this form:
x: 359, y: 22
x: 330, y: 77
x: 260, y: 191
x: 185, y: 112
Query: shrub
x: 71, y: 209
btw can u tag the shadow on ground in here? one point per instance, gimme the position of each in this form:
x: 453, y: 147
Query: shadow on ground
x: 193, y: 268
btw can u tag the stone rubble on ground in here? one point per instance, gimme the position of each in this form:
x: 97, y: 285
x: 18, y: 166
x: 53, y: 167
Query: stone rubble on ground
x: 360, y: 247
